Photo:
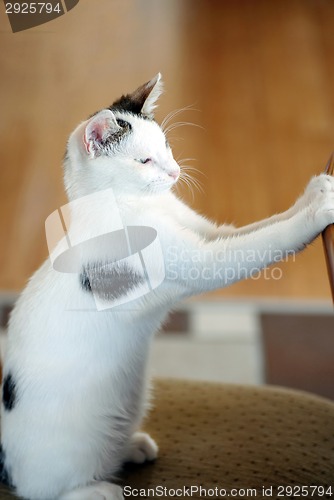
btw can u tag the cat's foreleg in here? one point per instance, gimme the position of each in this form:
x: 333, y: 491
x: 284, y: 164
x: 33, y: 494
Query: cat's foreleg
x: 303, y: 201
x: 216, y: 264
x: 209, y: 230
x: 205, y: 228
x: 255, y: 226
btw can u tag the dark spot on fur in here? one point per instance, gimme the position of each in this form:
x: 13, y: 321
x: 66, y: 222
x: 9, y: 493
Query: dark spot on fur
x: 128, y: 104
x: 4, y: 476
x: 111, y: 280
x: 66, y: 155
x: 123, y: 124
x: 9, y: 392
x: 84, y: 282
x: 134, y: 102
x: 112, y: 140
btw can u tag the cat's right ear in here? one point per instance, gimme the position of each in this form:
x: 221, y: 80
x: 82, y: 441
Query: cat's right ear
x: 98, y: 129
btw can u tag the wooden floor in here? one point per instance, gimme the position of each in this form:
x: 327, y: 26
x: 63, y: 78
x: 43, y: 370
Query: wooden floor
x: 258, y: 75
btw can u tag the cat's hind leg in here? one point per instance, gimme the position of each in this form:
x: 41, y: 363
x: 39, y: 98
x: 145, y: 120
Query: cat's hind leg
x: 99, y: 490
x: 141, y: 448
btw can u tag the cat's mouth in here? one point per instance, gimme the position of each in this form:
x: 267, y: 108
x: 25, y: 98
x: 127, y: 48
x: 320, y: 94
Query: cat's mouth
x: 161, y: 184
x: 167, y: 177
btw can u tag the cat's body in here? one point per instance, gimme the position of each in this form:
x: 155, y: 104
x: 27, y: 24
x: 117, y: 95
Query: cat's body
x: 75, y: 382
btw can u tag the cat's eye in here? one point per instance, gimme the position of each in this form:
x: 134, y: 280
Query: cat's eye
x: 144, y: 160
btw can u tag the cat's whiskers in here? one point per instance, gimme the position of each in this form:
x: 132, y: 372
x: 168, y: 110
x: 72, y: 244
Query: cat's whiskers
x: 189, y: 180
x: 190, y: 168
x: 170, y: 116
x: 175, y: 125
x: 192, y: 181
x: 185, y: 177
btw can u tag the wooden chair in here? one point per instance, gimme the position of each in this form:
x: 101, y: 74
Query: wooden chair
x: 328, y: 236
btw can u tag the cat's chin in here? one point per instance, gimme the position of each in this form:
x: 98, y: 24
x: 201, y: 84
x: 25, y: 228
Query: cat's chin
x: 159, y: 188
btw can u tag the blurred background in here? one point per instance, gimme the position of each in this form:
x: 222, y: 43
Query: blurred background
x: 258, y: 78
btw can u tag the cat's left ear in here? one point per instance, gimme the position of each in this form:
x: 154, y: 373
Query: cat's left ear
x: 98, y: 130
x: 148, y: 94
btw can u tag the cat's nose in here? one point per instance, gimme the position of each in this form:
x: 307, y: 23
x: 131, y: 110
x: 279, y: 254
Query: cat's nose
x: 174, y: 170
x: 174, y: 174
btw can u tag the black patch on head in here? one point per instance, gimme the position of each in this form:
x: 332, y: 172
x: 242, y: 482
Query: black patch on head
x: 128, y: 104
x: 4, y: 476
x: 111, y: 280
x: 9, y: 392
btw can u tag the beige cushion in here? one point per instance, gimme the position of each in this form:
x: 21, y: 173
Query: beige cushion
x: 230, y: 436
x: 237, y: 437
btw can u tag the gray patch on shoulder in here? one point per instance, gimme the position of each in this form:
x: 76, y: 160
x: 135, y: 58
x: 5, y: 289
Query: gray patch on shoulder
x: 110, y: 281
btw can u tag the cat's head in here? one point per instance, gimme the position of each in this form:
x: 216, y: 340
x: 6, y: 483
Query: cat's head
x: 122, y: 147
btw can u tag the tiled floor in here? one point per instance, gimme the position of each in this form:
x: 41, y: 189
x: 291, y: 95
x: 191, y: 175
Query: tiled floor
x: 223, y: 342
x: 183, y: 356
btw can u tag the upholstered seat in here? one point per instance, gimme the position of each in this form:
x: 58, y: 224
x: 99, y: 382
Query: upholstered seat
x: 231, y: 436
x: 226, y: 436
x: 235, y: 437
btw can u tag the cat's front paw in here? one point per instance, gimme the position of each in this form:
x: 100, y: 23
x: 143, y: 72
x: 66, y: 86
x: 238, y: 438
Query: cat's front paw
x: 108, y: 491
x: 141, y: 448
x: 318, y: 199
x: 99, y: 490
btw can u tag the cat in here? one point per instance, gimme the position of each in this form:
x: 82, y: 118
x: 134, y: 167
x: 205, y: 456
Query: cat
x: 75, y: 383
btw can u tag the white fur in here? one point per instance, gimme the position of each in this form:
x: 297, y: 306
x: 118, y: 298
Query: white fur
x: 3, y: 342
x: 81, y: 382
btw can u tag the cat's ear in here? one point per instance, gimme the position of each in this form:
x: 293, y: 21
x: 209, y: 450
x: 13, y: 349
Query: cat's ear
x: 98, y: 129
x: 148, y: 94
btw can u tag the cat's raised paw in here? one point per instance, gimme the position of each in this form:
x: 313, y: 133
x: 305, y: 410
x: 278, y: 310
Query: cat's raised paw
x: 319, y: 184
x: 318, y: 199
x: 142, y: 448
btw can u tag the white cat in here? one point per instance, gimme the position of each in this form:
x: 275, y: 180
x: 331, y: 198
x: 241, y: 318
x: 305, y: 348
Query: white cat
x: 74, y: 377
